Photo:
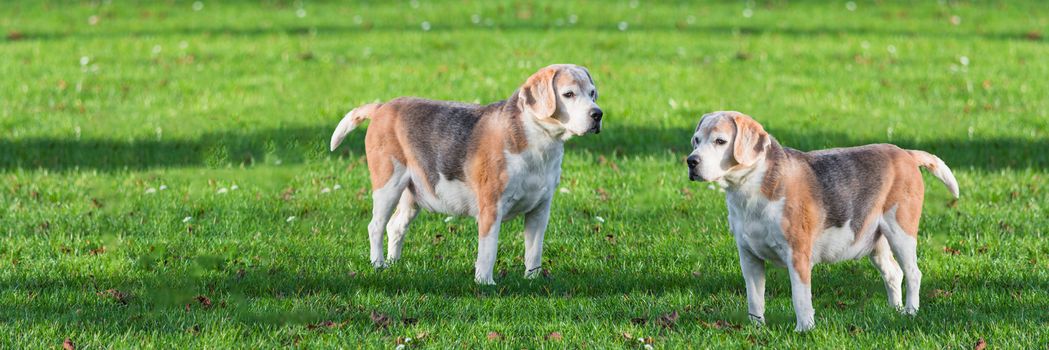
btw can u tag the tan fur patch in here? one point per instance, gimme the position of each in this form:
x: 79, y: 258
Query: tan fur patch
x: 802, y: 218
x: 381, y: 148
x: 488, y: 176
x: 907, y: 192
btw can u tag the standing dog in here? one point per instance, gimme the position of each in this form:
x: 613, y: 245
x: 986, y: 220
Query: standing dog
x: 491, y: 162
x: 797, y: 209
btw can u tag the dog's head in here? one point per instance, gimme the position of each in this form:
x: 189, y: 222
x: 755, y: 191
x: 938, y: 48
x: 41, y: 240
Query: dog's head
x: 562, y: 97
x: 725, y: 142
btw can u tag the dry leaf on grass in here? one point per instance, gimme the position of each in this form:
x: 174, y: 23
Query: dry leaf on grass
x: 68, y: 345
x: 667, y: 321
x: 553, y: 336
x: 980, y: 345
x: 380, y: 320
x: 493, y: 335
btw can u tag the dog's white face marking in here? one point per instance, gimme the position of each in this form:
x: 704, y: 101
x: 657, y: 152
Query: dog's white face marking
x: 712, y: 148
x: 577, y: 103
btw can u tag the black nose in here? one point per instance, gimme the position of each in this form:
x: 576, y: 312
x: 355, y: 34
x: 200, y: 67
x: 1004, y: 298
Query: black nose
x: 596, y: 114
x: 692, y: 161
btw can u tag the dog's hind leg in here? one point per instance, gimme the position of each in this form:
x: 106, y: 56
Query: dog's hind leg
x: 905, y: 247
x: 384, y: 199
x: 890, y: 271
x: 398, y: 225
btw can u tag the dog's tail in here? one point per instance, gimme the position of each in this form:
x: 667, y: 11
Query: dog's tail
x: 938, y: 168
x: 350, y: 121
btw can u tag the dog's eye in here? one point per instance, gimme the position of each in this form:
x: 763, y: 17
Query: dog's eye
x: 568, y: 94
x: 720, y: 142
x: 592, y: 93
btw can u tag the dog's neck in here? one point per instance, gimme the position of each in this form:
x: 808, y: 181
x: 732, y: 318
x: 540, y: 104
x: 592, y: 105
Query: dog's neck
x: 759, y: 180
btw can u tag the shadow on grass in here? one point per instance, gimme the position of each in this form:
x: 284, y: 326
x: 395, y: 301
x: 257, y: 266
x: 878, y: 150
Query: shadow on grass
x: 168, y: 303
x: 295, y: 145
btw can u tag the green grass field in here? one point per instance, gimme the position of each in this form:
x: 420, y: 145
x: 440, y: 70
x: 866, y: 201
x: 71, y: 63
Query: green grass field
x: 165, y: 180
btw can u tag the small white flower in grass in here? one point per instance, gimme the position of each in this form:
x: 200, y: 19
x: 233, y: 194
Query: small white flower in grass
x: 649, y: 347
x: 325, y: 190
x: 197, y: 6
x: 407, y: 340
x: 84, y: 60
x: 290, y: 219
x: 572, y: 19
x: 300, y: 13
x: 672, y: 103
x: 955, y: 20
x: 187, y: 219
x: 640, y: 339
x: 157, y: 49
x: 971, y: 132
x: 222, y: 190
x: 163, y: 187
x: 891, y: 49
x: 963, y: 60
x: 234, y: 187
x: 622, y: 26
x: 151, y: 190
x: 336, y: 187
x: 399, y: 347
x: 690, y: 19
x: 564, y: 190
x: 851, y: 6
x: 711, y: 187
x: 475, y: 18
x: 599, y: 219
x: 426, y: 26
x: 93, y: 20
x: 748, y: 13
x: 182, y: 45
x: 449, y: 219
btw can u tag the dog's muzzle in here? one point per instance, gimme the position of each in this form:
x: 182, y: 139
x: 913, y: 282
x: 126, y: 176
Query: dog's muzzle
x: 596, y: 114
x: 693, y: 168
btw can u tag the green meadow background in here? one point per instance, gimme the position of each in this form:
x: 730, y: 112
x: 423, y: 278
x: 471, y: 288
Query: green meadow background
x: 165, y: 180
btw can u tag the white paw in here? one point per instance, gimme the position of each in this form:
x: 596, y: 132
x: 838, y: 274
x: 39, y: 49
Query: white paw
x: 805, y: 326
x: 757, y: 320
x: 484, y: 280
x: 910, y: 311
x: 533, y: 273
x: 379, y: 264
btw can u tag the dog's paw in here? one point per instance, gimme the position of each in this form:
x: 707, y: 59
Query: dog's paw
x: 379, y: 264
x: 805, y: 326
x: 757, y: 320
x: 484, y: 280
x: 909, y: 311
x: 533, y: 273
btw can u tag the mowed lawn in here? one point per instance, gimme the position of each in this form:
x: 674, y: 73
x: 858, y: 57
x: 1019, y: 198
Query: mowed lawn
x: 165, y: 180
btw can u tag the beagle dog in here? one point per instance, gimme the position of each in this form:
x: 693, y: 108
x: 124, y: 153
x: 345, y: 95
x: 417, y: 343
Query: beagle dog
x: 796, y: 209
x: 492, y: 162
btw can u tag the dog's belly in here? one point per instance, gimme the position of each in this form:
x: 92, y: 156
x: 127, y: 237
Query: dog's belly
x: 836, y: 244
x: 449, y: 197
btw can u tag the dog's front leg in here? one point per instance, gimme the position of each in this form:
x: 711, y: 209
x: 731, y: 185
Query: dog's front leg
x: 488, y: 223
x: 754, y: 276
x: 801, y: 293
x: 535, y: 227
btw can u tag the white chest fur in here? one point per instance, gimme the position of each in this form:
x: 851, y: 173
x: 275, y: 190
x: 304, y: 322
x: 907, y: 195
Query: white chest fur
x: 756, y: 225
x: 532, y: 177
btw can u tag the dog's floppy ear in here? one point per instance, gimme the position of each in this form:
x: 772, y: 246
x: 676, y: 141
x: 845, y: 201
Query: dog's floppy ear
x: 537, y: 95
x: 751, y: 140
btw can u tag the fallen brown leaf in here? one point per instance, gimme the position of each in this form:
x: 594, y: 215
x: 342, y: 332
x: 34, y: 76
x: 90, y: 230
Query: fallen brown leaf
x: 721, y: 324
x: 118, y: 296
x: 408, y: 321
x: 493, y: 335
x: 667, y: 321
x: 1031, y: 35
x: 323, y: 325
x: 980, y: 344
x: 553, y: 336
x: 639, y: 321
x: 15, y: 35
x: 380, y: 320
x: 99, y: 250
x: 628, y: 336
x: 68, y: 345
x: 204, y: 301
x: 951, y: 251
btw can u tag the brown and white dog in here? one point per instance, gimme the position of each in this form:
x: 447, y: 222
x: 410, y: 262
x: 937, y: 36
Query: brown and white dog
x: 796, y: 209
x: 492, y: 162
